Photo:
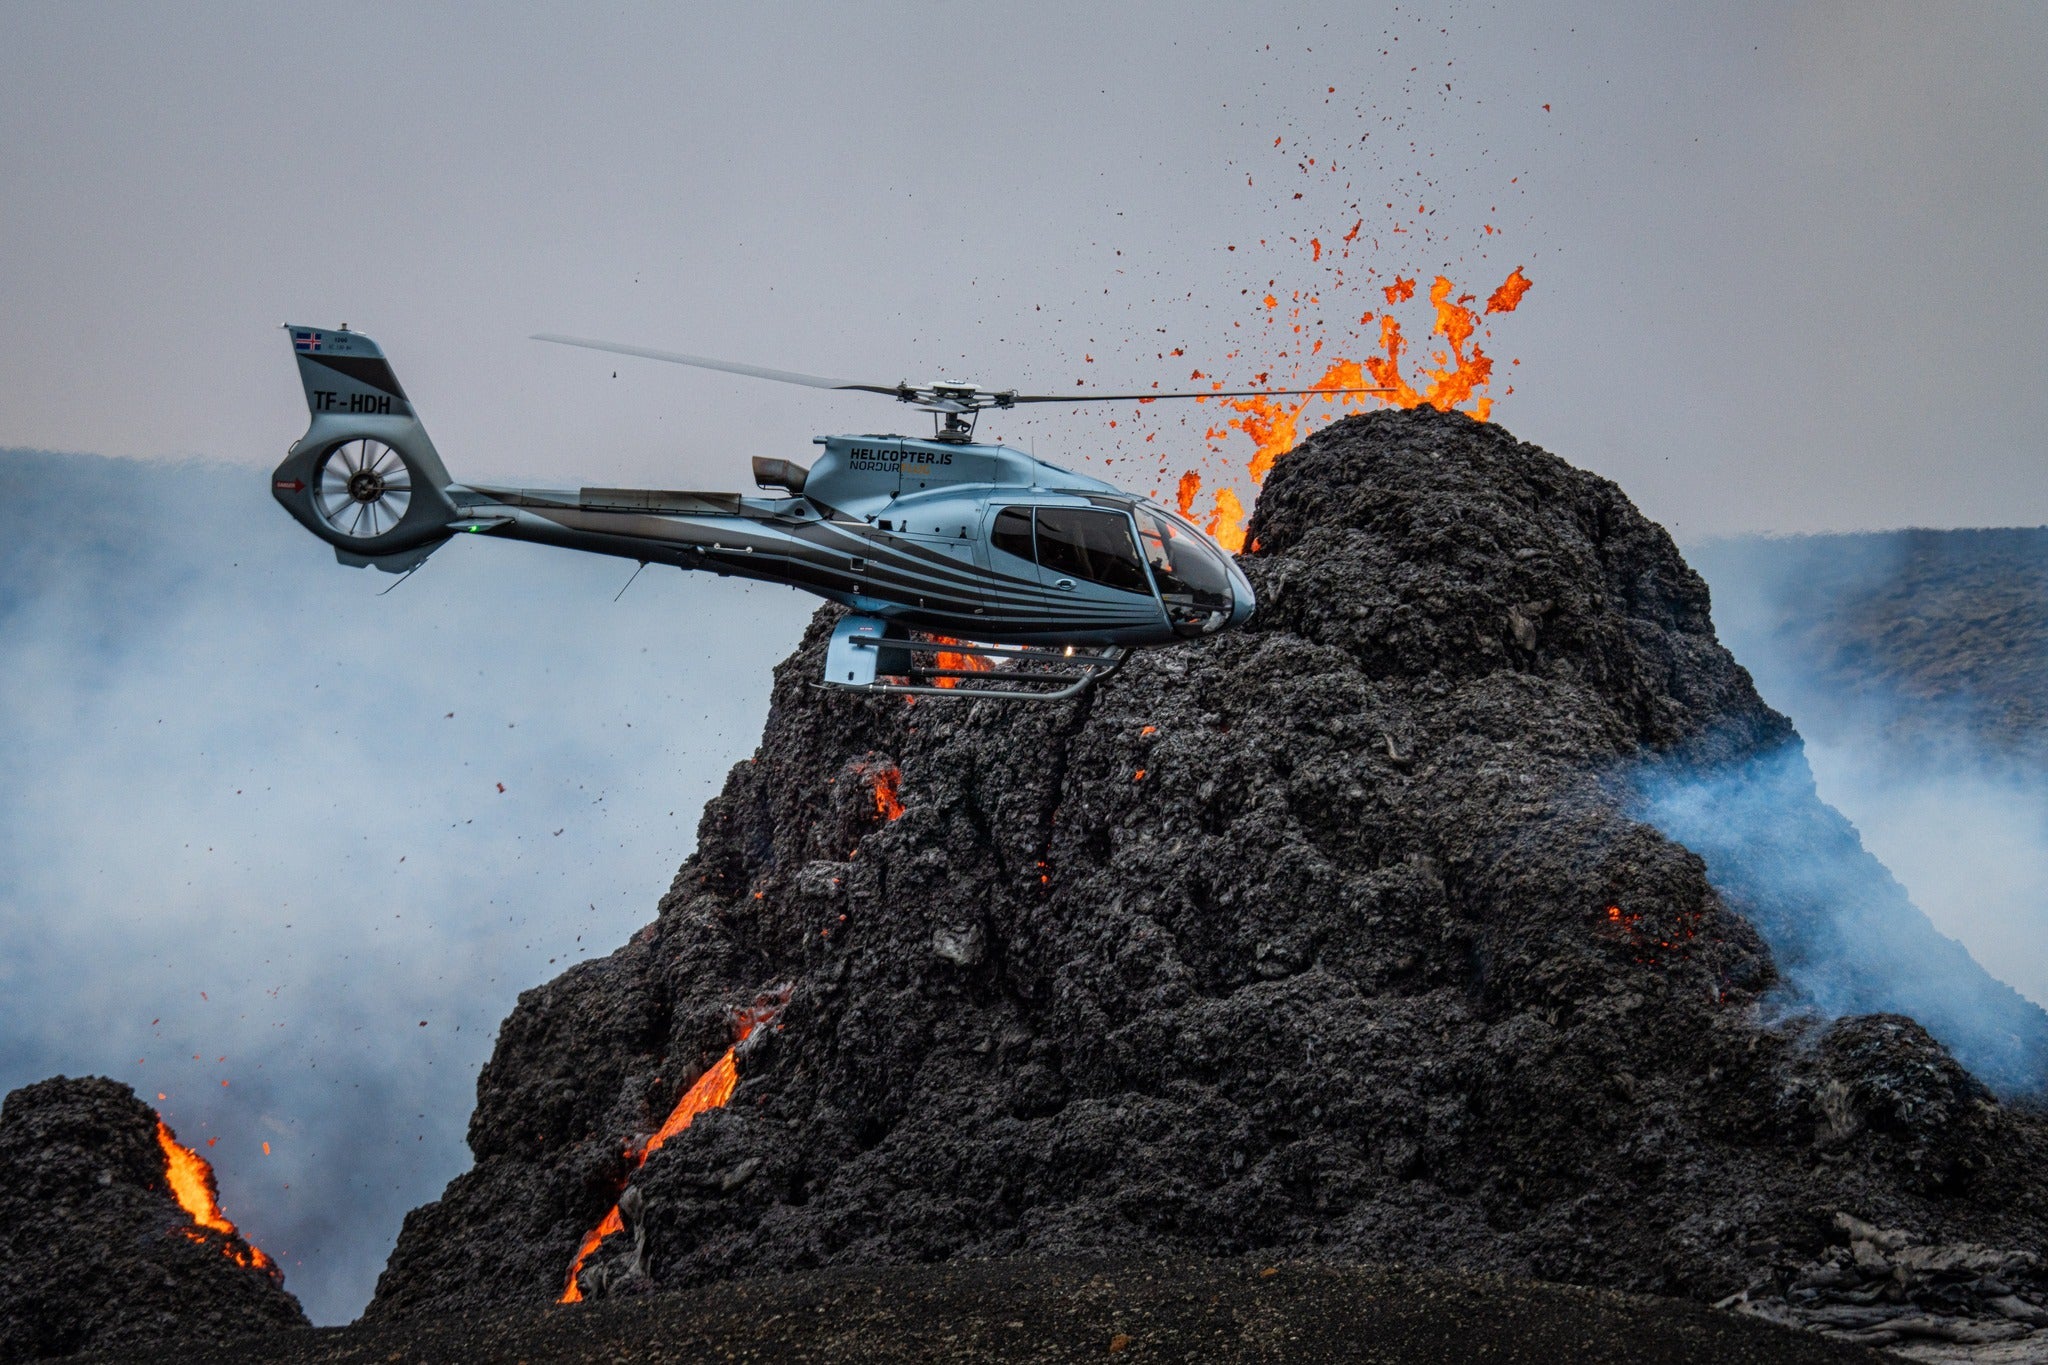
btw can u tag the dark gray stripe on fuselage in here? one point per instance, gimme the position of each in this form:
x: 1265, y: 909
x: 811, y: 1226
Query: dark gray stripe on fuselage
x: 930, y: 565
x: 958, y: 601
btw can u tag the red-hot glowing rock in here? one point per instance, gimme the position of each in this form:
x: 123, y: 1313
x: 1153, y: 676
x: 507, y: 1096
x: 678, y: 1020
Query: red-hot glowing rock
x: 96, y: 1250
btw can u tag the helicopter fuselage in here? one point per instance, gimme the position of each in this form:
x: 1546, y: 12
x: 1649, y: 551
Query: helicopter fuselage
x: 968, y: 569
x: 978, y: 541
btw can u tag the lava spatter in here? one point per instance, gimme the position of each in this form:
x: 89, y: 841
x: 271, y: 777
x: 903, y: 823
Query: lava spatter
x: 191, y: 1182
x: 1509, y: 296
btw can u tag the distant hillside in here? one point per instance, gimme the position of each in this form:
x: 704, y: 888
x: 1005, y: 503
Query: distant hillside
x: 1933, y: 634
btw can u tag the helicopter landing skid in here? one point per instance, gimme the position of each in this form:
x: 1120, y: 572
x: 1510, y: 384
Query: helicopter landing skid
x: 867, y: 655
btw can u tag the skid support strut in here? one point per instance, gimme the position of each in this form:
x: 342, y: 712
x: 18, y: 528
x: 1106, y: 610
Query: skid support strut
x: 866, y: 655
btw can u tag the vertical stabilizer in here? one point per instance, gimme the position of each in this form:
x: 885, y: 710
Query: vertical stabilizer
x: 365, y: 477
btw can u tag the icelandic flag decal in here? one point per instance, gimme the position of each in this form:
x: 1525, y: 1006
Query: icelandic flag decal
x: 305, y: 341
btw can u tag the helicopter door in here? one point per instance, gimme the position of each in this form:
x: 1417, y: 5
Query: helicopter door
x: 1090, y: 569
x: 1014, y: 598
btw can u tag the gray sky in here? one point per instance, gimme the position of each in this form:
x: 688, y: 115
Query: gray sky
x: 1788, y: 261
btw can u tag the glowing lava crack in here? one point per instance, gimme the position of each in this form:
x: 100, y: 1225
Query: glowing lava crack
x: 711, y: 1091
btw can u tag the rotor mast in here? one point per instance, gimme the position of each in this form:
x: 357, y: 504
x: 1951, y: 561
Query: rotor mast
x: 954, y: 407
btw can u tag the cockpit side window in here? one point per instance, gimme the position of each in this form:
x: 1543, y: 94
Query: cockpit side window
x: 1192, y: 581
x: 1184, y: 566
x: 1091, y: 544
x: 1012, y: 532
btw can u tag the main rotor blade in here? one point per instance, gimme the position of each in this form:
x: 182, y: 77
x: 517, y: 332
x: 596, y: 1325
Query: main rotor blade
x: 1085, y: 397
x: 811, y: 381
x: 914, y: 392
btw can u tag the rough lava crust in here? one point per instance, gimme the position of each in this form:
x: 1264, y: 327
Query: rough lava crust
x: 1329, y: 939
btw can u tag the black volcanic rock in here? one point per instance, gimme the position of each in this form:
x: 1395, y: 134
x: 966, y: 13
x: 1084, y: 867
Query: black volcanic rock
x: 1331, y: 938
x: 95, y: 1251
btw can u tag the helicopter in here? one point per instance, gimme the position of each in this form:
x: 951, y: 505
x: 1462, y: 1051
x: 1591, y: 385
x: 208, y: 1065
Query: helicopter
x: 968, y: 570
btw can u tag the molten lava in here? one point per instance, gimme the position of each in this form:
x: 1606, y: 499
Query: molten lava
x: 1226, y: 522
x: 1455, y: 377
x: 712, y: 1090
x: 1645, y: 946
x: 191, y: 1181
x: 972, y: 663
x: 1505, y: 298
x: 886, y: 782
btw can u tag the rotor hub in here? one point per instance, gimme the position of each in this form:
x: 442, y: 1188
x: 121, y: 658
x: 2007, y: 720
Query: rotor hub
x: 366, y: 485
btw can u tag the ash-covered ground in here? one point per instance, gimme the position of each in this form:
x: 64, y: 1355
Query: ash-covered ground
x: 1053, y: 1310
x: 1339, y: 938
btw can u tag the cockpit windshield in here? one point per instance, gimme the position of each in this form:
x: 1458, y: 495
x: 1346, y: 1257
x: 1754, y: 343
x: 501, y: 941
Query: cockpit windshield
x: 1192, y: 580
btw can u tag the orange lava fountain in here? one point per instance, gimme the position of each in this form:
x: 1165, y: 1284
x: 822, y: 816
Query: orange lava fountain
x: 1226, y: 522
x: 191, y: 1180
x: 1456, y: 377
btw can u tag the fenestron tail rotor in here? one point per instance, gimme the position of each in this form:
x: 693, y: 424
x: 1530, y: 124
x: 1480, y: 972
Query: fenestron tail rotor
x: 362, y: 488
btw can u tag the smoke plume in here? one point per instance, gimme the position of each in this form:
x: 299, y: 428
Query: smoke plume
x: 1912, y: 664
x: 284, y: 851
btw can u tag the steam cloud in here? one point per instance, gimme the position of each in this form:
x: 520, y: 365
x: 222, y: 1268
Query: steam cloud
x: 242, y: 839
x: 1940, y: 779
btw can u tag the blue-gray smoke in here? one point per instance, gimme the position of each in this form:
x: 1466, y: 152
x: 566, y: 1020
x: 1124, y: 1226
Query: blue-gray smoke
x: 1926, y: 771
x: 254, y: 852
x: 1846, y: 936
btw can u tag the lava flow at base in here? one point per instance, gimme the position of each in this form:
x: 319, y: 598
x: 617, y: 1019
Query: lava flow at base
x: 711, y: 1091
x: 190, y: 1178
